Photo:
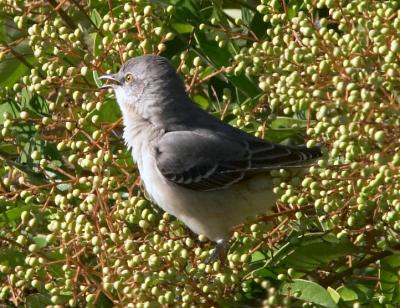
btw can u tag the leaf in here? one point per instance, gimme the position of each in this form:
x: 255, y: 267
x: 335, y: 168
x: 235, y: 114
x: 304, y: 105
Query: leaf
x: 11, y: 257
x: 364, y: 291
x: 96, y: 79
x: 96, y: 18
x: 220, y: 14
x: 11, y: 68
x: 13, y: 214
x: 245, y: 85
x: 335, y: 295
x: 37, y: 300
x: 291, y: 12
x: 309, y: 291
x: 286, y: 122
x: 310, y: 251
x: 201, y: 101
x: 393, y: 261
x: 64, y: 186
x: 187, y: 11
x: 257, y: 256
x: 10, y: 107
x: 247, y: 15
x: 286, y: 128
x: 218, y: 56
x: 40, y: 240
x: 37, y: 105
x: 109, y: 111
x: 206, y: 72
x: 258, y: 25
x: 103, y: 302
x: 389, y: 278
x: 182, y: 28
x: 33, y: 177
x: 234, y: 13
x: 347, y: 294
x: 263, y: 273
x: 8, y: 149
x: 222, y: 57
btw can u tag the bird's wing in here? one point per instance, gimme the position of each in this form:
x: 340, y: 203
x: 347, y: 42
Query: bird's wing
x: 211, y: 161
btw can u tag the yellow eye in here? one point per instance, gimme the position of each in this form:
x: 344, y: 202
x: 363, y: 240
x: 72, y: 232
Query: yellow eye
x: 128, y: 78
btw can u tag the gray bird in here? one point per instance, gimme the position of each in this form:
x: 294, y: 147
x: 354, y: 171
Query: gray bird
x: 203, y: 171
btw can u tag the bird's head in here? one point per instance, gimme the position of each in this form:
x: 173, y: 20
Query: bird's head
x: 144, y: 83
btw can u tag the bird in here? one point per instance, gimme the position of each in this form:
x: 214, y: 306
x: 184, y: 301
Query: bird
x: 205, y: 172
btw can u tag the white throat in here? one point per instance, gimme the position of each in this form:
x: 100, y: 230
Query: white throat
x: 139, y: 133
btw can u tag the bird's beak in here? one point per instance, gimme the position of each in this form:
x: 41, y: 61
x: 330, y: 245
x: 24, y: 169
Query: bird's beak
x: 112, y: 77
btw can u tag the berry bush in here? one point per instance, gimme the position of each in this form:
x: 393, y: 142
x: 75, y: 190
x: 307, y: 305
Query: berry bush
x: 76, y: 229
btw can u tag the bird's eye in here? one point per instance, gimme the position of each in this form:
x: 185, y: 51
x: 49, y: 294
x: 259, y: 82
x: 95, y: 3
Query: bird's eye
x: 128, y: 78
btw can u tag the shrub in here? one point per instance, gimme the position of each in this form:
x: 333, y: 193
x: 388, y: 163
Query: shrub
x: 76, y: 228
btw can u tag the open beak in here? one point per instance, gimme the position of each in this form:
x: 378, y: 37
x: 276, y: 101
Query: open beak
x: 112, y: 77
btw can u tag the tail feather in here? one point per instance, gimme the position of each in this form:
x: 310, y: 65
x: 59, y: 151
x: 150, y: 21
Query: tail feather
x: 309, y: 153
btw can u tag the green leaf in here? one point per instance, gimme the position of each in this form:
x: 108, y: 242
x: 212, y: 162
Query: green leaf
x: 286, y: 122
x: 33, y: 177
x: 11, y: 257
x: 109, y: 111
x: 234, y: 13
x: 64, y: 187
x: 389, y: 278
x: 8, y: 149
x: 201, y: 101
x: 96, y: 18
x: 245, y: 85
x: 392, y: 261
x: 187, y: 11
x: 364, y: 290
x: 291, y: 12
x: 103, y: 302
x: 13, y: 214
x: 347, y: 294
x: 40, y: 240
x: 218, y: 56
x: 311, y: 251
x: 206, y: 72
x: 262, y: 272
x: 96, y: 79
x: 220, y: 14
x: 247, y: 15
x: 257, y: 256
x: 335, y: 295
x: 37, y: 300
x: 37, y: 105
x: 309, y: 291
x: 283, y: 128
x: 11, y: 68
x: 11, y: 107
x: 182, y: 28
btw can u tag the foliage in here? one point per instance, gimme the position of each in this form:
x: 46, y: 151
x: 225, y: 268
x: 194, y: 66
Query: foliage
x: 76, y: 228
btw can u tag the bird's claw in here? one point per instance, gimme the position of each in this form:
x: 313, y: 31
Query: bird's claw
x: 219, y: 253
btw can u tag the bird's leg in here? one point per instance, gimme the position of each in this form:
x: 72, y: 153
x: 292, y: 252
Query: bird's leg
x: 220, y: 251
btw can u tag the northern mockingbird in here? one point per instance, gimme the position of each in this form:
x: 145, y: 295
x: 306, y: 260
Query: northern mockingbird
x: 203, y: 171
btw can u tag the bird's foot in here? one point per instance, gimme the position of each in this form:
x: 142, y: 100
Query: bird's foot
x: 220, y: 252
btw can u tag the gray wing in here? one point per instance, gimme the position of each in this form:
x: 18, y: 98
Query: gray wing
x: 210, y: 161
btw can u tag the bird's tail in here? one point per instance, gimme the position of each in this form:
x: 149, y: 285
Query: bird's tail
x: 310, y: 153
x: 307, y: 155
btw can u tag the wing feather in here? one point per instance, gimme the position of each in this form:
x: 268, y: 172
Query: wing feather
x: 210, y: 162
